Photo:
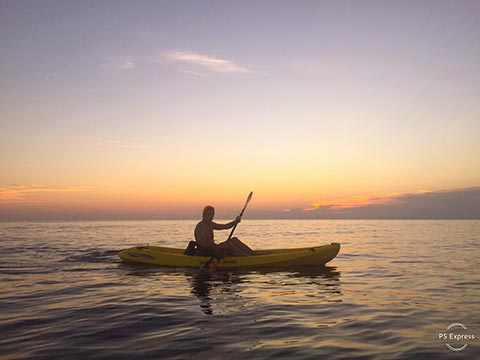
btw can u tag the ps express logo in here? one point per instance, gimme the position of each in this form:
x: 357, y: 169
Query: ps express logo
x: 456, y: 337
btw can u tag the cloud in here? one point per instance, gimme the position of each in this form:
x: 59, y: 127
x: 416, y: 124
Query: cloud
x: 196, y: 73
x: 20, y: 193
x: 443, y: 204
x: 198, y: 64
x: 211, y: 64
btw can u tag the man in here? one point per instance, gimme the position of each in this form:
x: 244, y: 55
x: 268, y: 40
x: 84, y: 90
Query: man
x: 206, y: 244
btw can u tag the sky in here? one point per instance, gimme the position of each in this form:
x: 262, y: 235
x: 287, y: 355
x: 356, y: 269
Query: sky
x: 154, y: 109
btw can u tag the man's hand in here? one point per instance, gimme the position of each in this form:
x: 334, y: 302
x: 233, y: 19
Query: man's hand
x: 238, y: 219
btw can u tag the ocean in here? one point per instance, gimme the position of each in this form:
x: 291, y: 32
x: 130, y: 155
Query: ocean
x: 391, y: 293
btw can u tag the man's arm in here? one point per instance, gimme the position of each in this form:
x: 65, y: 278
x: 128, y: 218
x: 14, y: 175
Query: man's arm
x: 226, y: 226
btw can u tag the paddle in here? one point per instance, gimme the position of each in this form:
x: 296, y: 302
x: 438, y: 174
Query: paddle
x: 205, y: 267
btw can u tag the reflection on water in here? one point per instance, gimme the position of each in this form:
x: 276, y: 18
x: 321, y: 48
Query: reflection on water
x: 227, y: 291
x: 321, y: 283
x: 201, y: 286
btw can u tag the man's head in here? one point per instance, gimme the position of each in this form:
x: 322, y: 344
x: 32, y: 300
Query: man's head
x: 208, y: 213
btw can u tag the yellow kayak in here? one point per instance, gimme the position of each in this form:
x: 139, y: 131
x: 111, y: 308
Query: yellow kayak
x: 172, y: 257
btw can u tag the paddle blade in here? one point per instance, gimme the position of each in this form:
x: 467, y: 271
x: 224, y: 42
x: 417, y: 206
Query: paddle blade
x: 249, y: 198
x: 246, y: 203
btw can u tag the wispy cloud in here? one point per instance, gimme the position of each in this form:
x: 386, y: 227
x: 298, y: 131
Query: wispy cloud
x: 196, y: 73
x: 20, y: 193
x: 209, y: 63
x: 193, y: 63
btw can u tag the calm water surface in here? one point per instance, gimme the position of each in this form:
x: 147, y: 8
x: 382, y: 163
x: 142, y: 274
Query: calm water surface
x: 395, y: 285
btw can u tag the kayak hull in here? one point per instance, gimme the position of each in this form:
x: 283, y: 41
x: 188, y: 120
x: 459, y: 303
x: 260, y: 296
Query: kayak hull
x: 173, y: 257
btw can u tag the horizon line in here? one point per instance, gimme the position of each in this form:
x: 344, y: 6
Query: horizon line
x: 227, y: 219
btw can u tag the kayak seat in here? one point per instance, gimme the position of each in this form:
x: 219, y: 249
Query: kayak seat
x: 191, y: 249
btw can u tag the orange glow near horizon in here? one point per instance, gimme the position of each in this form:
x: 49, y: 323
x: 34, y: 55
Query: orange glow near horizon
x: 340, y: 204
x: 151, y: 200
x: 41, y: 202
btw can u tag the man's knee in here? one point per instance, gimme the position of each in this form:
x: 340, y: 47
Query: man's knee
x: 235, y: 240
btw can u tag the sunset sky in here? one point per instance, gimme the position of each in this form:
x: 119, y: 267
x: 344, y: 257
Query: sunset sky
x: 153, y: 109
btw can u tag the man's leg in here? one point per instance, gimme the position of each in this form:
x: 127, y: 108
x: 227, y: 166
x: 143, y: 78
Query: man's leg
x: 222, y: 249
x: 240, y: 248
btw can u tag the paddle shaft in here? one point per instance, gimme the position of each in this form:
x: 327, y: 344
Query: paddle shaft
x: 235, y: 226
